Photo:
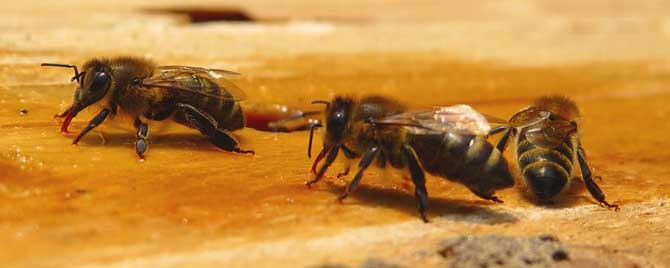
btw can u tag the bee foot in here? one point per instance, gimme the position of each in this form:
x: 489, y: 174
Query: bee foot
x: 238, y: 150
x: 496, y: 199
x: 608, y: 205
x: 424, y: 218
x: 309, y: 183
x: 342, y: 197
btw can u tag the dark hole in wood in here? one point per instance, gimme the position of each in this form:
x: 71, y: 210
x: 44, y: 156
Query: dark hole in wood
x: 202, y: 14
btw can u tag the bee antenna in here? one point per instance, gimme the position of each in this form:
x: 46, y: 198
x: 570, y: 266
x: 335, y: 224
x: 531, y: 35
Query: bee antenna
x: 76, y: 71
x: 311, y: 136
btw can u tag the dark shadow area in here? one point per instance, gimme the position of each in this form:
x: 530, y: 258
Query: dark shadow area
x: 452, y: 209
x: 184, y: 141
x: 207, y: 14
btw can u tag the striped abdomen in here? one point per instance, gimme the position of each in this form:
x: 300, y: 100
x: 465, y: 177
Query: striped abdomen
x: 227, y: 112
x: 467, y: 159
x: 546, y: 171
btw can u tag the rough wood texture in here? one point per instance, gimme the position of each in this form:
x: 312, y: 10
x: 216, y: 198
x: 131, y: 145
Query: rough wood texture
x: 190, y: 205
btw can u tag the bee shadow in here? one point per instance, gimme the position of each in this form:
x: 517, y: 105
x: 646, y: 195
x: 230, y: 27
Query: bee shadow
x: 183, y: 141
x: 452, y: 209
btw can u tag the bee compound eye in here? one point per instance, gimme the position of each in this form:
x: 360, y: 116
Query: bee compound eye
x: 100, y: 81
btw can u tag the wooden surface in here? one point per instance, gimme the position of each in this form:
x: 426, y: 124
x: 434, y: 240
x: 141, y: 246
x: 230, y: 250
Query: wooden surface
x: 190, y: 205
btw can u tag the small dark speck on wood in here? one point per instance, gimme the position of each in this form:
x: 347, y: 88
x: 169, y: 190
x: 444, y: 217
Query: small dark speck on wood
x: 23, y: 111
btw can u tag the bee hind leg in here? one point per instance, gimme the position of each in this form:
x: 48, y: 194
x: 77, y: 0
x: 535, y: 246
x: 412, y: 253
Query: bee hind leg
x: 419, y: 180
x: 142, y: 134
x: 591, y: 185
x: 200, y: 120
x: 365, y: 162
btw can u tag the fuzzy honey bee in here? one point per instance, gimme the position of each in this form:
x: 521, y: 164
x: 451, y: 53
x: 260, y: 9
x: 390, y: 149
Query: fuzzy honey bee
x: 548, y: 147
x: 449, y: 142
x: 196, y: 97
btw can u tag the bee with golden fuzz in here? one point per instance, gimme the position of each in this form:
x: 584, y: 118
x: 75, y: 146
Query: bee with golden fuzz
x: 449, y: 142
x: 196, y: 97
x: 548, y: 146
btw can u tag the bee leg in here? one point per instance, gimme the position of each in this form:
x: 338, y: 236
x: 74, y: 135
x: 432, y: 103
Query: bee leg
x: 502, y: 143
x: 209, y: 127
x: 350, y: 155
x: 365, y: 162
x: 590, y: 184
x: 419, y: 180
x: 142, y: 134
x: 348, y: 152
x: 496, y: 130
x: 97, y: 120
x: 345, y: 172
x: 381, y: 160
x: 329, y: 161
x: 64, y: 113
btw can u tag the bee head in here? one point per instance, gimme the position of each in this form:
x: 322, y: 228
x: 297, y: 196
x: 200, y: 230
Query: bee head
x: 560, y: 107
x: 338, y: 116
x: 94, y: 83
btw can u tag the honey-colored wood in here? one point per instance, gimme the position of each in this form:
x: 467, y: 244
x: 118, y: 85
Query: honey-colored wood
x: 190, y: 205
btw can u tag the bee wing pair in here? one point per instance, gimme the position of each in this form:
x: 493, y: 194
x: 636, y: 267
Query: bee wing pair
x: 541, y: 129
x: 460, y: 118
x: 463, y: 119
x: 185, y: 78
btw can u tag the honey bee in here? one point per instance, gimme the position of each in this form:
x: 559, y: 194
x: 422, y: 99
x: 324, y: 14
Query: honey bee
x: 449, y: 142
x: 196, y: 97
x: 548, y: 146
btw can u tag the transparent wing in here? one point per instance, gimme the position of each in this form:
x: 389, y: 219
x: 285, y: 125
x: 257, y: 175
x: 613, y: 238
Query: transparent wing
x: 541, y: 128
x: 216, y: 73
x: 549, y: 134
x: 201, y: 81
x: 457, y: 118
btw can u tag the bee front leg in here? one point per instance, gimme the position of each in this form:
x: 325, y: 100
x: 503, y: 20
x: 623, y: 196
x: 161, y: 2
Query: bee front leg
x: 332, y: 155
x: 97, y: 120
x: 142, y: 134
x: 502, y: 143
x: 200, y: 120
x: 350, y: 155
x: 590, y: 184
x: 64, y: 113
x: 419, y: 179
x: 345, y: 172
x: 367, y: 159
